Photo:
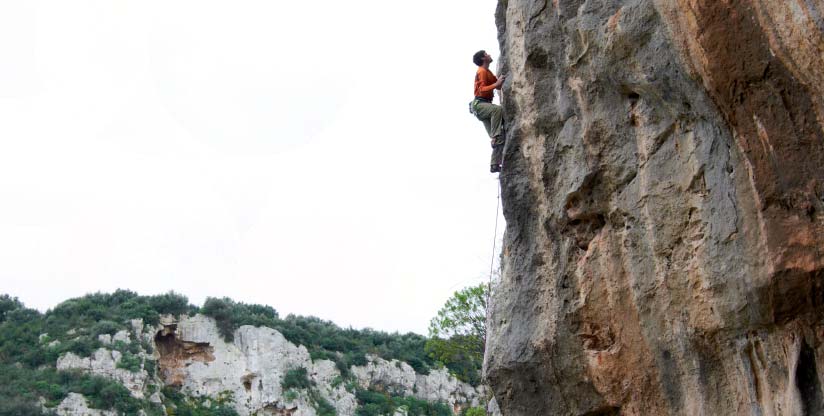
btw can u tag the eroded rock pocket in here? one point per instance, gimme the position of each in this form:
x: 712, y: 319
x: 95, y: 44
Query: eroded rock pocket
x: 176, y: 355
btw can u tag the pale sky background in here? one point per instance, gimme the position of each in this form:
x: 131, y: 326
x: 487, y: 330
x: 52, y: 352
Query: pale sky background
x: 317, y: 156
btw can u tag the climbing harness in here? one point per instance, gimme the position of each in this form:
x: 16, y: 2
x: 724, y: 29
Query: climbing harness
x: 473, y: 105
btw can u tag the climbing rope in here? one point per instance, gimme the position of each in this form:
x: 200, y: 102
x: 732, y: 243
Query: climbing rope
x: 494, y: 242
x: 497, y: 209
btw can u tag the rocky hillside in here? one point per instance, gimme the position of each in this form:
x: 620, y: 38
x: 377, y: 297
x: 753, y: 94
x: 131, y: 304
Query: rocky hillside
x: 124, y: 354
x: 663, y: 188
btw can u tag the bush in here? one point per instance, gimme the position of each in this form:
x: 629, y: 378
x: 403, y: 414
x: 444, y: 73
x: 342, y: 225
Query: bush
x: 171, y: 304
x: 8, y: 304
x: 221, y: 311
x: 372, y: 403
x: 323, y: 407
x: 17, y: 407
x: 178, y: 404
x: 290, y: 395
x: 473, y: 411
x: 27, y: 365
x: 150, y: 366
x: 230, y: 315
x: 83, y: 346
x: 105, y: 327
x: 119, y: 308
x: 297, y: 378
x: 130, y: 362
x: 463, y: 363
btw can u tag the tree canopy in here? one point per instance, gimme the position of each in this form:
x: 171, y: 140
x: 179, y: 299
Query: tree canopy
x: 458, y: 333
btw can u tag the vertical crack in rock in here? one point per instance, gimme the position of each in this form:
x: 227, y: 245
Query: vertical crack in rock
x: 176, y: 355
x: 808, y: 382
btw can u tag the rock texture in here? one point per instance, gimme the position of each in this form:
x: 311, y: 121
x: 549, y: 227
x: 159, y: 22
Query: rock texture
x: 194, y: 356
x: 437, y: 386
x: 190, y: 353
x: 664, y: 195
x: 75, y: 405
x: 104, y: 363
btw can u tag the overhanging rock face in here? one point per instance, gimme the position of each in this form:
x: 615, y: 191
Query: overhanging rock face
x: 664, y: 195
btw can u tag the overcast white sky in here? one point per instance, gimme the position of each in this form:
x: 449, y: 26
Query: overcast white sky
x: 317, y: 156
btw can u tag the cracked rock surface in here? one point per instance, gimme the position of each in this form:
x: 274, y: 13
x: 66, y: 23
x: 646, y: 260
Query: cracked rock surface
x: 664, y: 195
x: 195, y: 357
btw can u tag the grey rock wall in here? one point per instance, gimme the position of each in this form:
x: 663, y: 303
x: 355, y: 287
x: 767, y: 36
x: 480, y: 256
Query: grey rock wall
x: 663, y: 188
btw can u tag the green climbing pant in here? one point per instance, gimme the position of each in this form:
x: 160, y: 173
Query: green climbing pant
x: 492, y: 117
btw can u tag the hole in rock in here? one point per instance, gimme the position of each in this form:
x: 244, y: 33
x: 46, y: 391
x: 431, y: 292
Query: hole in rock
x: 247, y: 381
x: 795, y: 293
x: 806, y: 379
x: 176, y: 355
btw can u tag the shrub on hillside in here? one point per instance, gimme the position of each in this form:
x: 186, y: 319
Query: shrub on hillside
x: 8, y: 304
x: 27, y: 360
x: 297, y: 378
x: 230, y: 315
x: 119, y: 307
x: 171, y: 304
x: 372, y: 403
x: 178, y: 404
x: 473, y: 411
x: 17, y: 407
x: 77, y: 323
x: 105, y: 327
x: 130, y: 362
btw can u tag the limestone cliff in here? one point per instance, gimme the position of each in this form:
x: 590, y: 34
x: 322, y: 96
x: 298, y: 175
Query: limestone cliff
x: 663, y: 188
x: 248, y: 373
x: 195, y: 357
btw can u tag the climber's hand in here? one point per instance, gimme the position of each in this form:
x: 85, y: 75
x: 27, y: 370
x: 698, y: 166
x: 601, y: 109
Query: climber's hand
x: 500, y: 81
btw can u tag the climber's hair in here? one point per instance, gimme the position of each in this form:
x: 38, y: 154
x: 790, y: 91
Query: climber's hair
x: 478, y: 58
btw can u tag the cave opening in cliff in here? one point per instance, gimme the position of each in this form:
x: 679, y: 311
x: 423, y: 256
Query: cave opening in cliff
x: 176, y: 354
x: 165, y: 340
x: 806, y: 379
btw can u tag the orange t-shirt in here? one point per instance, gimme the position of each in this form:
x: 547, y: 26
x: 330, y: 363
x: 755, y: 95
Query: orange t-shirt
x: 485, y: 83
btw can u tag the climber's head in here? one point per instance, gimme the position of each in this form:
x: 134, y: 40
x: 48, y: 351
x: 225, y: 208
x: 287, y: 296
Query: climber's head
x: 481, y: 57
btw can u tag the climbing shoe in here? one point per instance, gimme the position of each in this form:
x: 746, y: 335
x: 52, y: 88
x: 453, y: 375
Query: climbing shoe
x: 494, y: 168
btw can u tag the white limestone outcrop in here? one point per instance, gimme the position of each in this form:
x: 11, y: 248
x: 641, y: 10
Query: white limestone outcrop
x: 400, y: 378
x: 253, y: 366
x: 192, y: 355
x: 104, y: 363
x: 75, y: 405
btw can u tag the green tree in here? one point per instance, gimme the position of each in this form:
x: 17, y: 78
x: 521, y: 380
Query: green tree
x: 458, y: 333
x: 8, y: 304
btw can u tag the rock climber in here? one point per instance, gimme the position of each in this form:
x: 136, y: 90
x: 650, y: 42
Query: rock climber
x: 490, y: 114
